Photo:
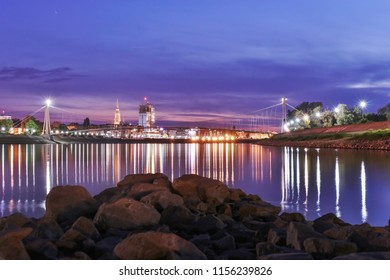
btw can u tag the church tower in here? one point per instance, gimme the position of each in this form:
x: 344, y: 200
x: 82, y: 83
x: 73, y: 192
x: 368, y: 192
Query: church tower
x: 117, y: 117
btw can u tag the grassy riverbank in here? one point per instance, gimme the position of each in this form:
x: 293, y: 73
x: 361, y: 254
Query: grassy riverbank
x: 375, y: 136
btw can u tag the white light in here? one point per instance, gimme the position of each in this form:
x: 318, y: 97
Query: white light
x: 297, y: 120
x: 306, y: 117
x: 318, y: 114
x: 336, y: 110
x: 363, y: 104
x: 48, y: 102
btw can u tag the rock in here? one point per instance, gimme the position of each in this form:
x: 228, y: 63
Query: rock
x: 105, y: 247
x: 366, y: 256
x: 287, y: 256
x: 11, y: 245
x: 42, y: 249
x: 79, y: 255
x: 16, y: 220
x: 371, y: 238
x: 297, y: 233
x: 212, y: 192
x: 162, y: 199
x: 339, y: 233
x: 67, y: 246
x: 224, y: 243
x: 87, y: 228
x: 258, y: 209
x: 293, y: 217
x: 73, y: 235
x: 111, y: 195
x: 277, y: 236
x: 157, y: 245
x: 19, y: 233
x: 225, y: 209
x: 178, y: 217
x: 208, y: 223
x: 238, y: 254
x: 139, y: 190
x: 164, y: 182
x: 327, y: 222
x: 68, y: 203
x: 133, y: 179
x: 47, y: 228
x: 327, y: 248
x: 265, y: 248
x: 202, y: 241
x: 126, y: 214
x: 236, y: 195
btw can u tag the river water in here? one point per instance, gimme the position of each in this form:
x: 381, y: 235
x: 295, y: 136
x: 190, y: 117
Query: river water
x: 355, y: 185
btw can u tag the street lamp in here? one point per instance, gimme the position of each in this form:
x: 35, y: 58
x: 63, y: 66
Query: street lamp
x: 48, y: 102
x: 362, y: 105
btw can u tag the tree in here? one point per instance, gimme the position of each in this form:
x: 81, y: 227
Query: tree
x: 344, y: 115
x: 6, y: 125
x: 305, y: 113
x: 327, y: 119
x: 32, y: 127
x: 385, y: 111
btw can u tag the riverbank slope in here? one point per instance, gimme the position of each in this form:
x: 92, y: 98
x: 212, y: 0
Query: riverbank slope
x: 146, y: 216
x: 371, y: 136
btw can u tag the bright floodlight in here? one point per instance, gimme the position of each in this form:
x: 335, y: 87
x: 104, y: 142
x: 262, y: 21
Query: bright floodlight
x: 48, y: 102
x: 336, y: 110
x: 363, y: 104
x: 318, y: 114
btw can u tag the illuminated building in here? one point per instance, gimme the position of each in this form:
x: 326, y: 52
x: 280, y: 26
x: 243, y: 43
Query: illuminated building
x: 146, y: 117
x: 117, y: 117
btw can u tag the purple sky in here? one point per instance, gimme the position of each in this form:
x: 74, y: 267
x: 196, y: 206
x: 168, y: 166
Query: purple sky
x: 196, y: 60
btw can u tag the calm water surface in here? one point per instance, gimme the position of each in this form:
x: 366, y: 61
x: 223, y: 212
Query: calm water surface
x: 355, y: 185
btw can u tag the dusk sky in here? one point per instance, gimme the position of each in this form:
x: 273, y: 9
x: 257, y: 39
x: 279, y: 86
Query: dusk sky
x: 196, y: 61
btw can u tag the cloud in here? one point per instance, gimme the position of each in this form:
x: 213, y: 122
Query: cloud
x: 366, y: 85
x: 54, y: 75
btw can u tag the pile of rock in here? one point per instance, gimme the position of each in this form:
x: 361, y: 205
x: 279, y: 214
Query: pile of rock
x: 148, y: 217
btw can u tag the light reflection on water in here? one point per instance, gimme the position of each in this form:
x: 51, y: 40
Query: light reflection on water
x: 352, y: 184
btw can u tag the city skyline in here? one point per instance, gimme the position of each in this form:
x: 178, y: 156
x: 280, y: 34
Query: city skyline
x: 196, y: 61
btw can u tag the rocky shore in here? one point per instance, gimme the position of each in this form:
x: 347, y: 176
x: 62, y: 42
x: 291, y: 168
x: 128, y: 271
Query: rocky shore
x: 148, y: 217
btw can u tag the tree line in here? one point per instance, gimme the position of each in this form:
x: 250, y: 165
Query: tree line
x: 312, y: 114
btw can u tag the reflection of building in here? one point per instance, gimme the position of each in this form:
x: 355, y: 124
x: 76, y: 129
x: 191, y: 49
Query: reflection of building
x: 117, y: 117
x: 146, y: 117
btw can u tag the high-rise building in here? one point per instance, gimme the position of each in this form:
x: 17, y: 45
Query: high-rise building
x: 117, y: 117
x: 147, y: 116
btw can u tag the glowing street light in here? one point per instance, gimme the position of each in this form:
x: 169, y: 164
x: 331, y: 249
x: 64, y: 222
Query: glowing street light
x: 48, y: 102
x: 363, y: 104
x: 336, y: 110
x: 306, y: 117
x: 318, y: 114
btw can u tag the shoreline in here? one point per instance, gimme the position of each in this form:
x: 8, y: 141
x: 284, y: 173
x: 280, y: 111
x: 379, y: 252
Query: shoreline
x: 25, y: 139
x: 192, y: 217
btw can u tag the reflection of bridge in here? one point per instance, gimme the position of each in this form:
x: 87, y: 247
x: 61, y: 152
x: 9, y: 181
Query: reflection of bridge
x: 260, y: 124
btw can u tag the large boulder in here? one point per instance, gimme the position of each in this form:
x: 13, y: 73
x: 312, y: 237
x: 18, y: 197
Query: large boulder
x: 133, y: 179
x: 140, y: 190
x: 86, y: 227
x: 162, y: 199
x: 327, y: 248
x: 68, y: 203
x: 212, y: 192
x: 11, y: 244
x: 297, y: 233
x: 126, y: 214
x: 157, y: 246
x: 257, y: 209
